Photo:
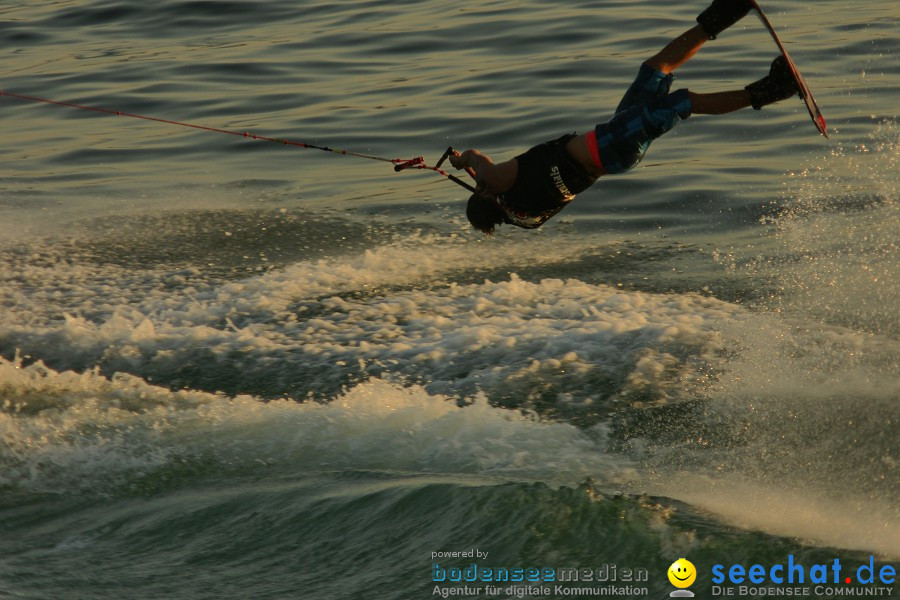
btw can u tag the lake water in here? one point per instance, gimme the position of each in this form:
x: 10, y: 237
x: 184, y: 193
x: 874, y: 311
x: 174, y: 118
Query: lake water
x: 238, y: 369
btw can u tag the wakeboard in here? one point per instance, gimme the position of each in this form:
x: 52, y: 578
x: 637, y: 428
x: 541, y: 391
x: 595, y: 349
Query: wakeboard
x: 805, y: 92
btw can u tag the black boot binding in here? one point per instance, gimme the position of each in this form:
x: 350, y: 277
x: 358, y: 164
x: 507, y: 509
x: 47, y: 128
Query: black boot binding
x: 778, y: 85
x: 721, y: 15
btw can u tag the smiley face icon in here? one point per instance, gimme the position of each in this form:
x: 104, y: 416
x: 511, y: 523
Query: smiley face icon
x: 682, y: 573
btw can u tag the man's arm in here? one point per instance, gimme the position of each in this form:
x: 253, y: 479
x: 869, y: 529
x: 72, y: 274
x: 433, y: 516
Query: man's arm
x: 495, y: 178
x: 471, y: 159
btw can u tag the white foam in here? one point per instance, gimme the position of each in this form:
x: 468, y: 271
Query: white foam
x: 809, y: 395
x: 865, y: 525
x: 840, y: 231
x: 390, y: 308
x: 390, y: 314
x: 64, y: 431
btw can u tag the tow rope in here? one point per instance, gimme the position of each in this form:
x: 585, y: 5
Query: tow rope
x: 400, y: 164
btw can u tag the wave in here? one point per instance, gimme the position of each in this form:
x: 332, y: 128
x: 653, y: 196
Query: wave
x: 69, y: 432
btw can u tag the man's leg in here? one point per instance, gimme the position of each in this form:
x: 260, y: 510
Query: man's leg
x: 720, y: 15
x: 778, y: 85
x: 719, y: 103
x: 679, y: 51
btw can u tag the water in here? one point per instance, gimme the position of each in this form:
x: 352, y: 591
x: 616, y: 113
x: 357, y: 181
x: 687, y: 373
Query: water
x: 236, y: 369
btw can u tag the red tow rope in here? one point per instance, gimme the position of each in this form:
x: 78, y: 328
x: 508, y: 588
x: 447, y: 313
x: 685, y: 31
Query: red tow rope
x: 400, y: 164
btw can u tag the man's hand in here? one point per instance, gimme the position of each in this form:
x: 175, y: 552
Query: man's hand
x: 473, y: 161
x: 459, y: 160
x: 490, y: 179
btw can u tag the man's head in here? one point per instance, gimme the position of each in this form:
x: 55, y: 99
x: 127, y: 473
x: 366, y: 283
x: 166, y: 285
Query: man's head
x: 484, y: 213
